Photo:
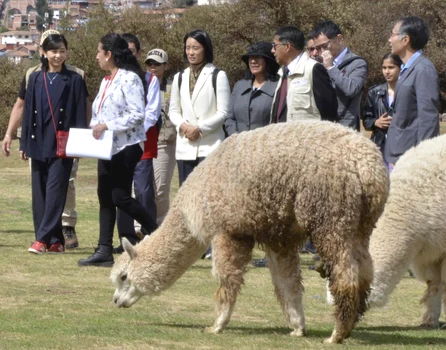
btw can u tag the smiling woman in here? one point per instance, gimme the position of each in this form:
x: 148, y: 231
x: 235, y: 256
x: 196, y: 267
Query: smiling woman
x: 55, y: 101
x: 252, y: 97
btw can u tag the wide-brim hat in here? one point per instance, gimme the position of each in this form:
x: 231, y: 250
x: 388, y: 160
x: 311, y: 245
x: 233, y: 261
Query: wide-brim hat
x: 262, y: 49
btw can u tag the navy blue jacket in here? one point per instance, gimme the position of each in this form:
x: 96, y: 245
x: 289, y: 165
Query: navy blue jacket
x: 69, y: 107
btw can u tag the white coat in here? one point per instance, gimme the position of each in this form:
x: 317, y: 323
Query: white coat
x: 204, y: 109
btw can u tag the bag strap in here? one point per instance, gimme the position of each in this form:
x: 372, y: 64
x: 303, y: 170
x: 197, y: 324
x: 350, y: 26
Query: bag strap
x: 49, y: 102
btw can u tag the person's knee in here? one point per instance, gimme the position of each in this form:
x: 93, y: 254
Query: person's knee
x: 120, y: 197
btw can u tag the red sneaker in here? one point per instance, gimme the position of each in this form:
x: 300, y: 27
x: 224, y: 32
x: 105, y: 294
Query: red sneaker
x: 37, y: 248
x: 56, y: 248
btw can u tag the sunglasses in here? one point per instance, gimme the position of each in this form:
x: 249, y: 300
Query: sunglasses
x: 154, y: 63
x: 281, y: 44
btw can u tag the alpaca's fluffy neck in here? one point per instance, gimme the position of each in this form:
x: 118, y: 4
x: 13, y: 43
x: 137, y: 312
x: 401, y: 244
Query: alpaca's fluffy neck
x: 169, y: 252
x: 392, y: 250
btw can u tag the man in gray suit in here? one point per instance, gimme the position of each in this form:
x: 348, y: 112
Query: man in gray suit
x: 347, y: 70
x: 415, y: 114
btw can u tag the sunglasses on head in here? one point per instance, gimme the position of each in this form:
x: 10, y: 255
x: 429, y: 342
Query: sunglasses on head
x: 154, y: 63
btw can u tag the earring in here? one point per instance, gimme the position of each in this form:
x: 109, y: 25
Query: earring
x: 106, y: 59
x: 44, y: 56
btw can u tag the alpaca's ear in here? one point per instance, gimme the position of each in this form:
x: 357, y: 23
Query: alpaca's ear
x: 129, y: 248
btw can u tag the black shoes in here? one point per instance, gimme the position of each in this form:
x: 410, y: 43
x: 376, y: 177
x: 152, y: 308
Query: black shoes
x: 118, y: 250
x: 102, y: 256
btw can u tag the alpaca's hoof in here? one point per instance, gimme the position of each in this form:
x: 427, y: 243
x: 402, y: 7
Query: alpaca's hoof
x: 334, y: 339
x: 212, y: 330
x: 299, y: 333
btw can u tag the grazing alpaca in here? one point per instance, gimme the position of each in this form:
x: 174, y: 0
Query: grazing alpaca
x: 276, y: 186
x: 412, y: 229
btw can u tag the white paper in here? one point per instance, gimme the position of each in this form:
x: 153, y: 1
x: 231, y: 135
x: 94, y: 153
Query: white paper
x: 81, y: 143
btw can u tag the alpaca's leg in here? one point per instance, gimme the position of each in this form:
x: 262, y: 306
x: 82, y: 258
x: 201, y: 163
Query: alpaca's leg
x: 432, y: 296
x: 350, y: 274
x: 443, y: 288
x: 230, y: 256
x: 287, y: 280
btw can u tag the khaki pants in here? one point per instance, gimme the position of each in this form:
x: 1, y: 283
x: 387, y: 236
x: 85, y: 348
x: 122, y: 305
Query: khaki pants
x: 69, y: 216
x: 164, y: 166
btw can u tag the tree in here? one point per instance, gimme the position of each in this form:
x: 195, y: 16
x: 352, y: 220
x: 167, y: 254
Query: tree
x: 45, y: 15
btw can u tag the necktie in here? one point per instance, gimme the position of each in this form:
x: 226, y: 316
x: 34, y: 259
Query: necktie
x: 283, y: 92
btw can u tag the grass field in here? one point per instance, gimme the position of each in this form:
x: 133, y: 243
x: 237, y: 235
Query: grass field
x: 48, y: 302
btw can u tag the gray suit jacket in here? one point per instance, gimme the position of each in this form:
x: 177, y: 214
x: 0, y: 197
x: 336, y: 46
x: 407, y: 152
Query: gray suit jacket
x: 348, y: 84
x: 249, y: 111
x: 415, y: 116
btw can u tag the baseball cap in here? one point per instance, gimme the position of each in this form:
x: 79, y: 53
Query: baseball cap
x: 46, y: 34
x: 157, y: 55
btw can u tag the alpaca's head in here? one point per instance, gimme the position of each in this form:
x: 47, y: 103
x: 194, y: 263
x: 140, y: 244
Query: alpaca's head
x: 128, y: 276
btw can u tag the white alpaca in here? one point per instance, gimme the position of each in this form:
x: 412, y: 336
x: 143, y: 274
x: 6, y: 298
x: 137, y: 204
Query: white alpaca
x: 412, y: 230
x: 274, y: 186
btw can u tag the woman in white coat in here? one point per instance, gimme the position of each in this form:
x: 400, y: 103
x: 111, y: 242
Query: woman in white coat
x: 197, y: 106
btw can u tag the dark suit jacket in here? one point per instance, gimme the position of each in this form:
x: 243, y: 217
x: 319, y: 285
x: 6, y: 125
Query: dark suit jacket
x: 69, y: 107
x: 249, y: 111
x: 348, y: 83
x: 416, y: 111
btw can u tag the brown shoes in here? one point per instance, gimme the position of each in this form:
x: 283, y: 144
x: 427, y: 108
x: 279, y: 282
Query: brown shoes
x: 69, y: 233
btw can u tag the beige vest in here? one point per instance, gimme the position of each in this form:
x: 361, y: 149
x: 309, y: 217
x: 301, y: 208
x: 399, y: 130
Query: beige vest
x: 301, y: 104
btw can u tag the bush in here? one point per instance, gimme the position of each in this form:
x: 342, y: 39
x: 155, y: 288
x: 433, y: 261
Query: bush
x: 366, y: 27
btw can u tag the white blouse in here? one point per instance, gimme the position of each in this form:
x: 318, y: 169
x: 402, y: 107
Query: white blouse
x: 120, y: 105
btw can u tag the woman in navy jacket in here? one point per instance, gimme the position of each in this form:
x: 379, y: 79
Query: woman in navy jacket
x: 252, y: 98
x: 55, y: 99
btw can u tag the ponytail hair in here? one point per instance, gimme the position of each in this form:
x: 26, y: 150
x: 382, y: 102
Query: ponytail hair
x: 122, y: 55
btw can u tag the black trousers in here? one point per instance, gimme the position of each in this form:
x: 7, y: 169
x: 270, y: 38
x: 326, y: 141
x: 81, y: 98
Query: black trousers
x: 115, y: 191
x: 49, y: 183
x: 185, y: 168
x: 144, y: 184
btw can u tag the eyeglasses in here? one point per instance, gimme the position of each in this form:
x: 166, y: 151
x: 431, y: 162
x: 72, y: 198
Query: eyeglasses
x: 281, y: 44
x: 395, y: 34
x: 311, y: 48
x: 154, y: 63
x: 320, y: 47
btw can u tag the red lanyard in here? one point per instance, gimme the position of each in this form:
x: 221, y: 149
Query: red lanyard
x: 109, y: 82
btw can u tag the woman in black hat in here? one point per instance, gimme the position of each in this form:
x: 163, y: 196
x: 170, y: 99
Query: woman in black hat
x: 252, y: 97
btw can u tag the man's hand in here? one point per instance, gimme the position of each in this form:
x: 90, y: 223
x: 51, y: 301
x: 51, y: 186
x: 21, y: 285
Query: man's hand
x: 327, y: 59
x: 6, y: 144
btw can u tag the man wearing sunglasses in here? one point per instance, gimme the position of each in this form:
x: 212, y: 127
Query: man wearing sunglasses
x: 347, y: 70
x: 304, y: 90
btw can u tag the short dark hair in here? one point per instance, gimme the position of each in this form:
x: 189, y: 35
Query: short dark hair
x: 292, y: 35
x: 328, y: 28
x: 416, y: 29
x: 395, y: 58
x: 205, y: 40
x: 132, y: 38
x: 52, y: 42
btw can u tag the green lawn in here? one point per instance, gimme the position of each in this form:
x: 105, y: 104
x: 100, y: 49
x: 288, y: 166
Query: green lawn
x: 48, y: 302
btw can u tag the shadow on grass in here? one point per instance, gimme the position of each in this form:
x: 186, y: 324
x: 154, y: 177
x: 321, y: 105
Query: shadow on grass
x: 371, y: 335
x: 17, y: 231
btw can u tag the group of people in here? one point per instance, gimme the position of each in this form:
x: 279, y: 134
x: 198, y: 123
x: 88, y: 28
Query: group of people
x: 156, y: 122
